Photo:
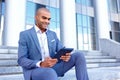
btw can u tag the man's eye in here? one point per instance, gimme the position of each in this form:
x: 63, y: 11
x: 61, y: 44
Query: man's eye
x: 49, y: 18
x: 45, y: 17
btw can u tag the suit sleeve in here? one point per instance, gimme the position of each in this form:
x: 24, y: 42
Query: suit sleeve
x: 23, y: 53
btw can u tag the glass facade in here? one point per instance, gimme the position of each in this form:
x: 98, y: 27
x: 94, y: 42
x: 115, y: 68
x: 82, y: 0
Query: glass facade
x: 86, y: 30
x: 55, y: 20
x: 115, y: 31
x: 85, y: 2
x: 114, y: 11
x: 86, y: 39
x: 85, y: 19
x: 85, y: 24
x: 113, y: 6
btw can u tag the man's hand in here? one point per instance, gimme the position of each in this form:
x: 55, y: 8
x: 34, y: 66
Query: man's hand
x: 66, y: 57
x: 48, y: 62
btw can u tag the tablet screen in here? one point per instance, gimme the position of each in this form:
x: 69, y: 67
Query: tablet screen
x: 62, y: 51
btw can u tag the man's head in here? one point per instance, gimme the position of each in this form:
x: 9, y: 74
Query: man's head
x: 42, y: 18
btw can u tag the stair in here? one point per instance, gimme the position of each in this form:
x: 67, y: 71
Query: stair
x: 95, y: 59
x: 10, y: 70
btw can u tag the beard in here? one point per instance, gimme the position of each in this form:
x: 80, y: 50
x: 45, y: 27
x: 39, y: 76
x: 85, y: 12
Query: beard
x: 42, y: 26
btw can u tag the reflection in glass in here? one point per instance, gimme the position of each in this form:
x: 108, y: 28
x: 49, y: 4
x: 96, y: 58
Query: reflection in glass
x: 52, y: 25
x: 86, y: 32
x: 79, y: 1
x: 84, y: 20
x: 58, y: 15
x: 79, y: 19
x: 85, y: 2
x: 115, y: 31
x: 30, y: 9
x: 30, y: 20
x: 113, y: 6
x: 89, y: 2
x: 53, y: 14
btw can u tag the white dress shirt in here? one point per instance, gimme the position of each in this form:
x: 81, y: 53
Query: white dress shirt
x: 42, y: 37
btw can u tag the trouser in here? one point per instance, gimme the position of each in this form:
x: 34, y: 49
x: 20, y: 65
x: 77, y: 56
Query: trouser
x: 77, y: 60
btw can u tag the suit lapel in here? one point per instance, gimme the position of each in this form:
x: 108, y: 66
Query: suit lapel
x: 35, y: 39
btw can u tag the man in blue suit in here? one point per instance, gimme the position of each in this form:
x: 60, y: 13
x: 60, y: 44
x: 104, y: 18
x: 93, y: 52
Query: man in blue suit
x: 38, y: 45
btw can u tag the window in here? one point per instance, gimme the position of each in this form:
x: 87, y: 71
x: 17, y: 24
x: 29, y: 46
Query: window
x: 86, y: 32
x: 30, y: 11
x: 89, y: 2
x: 55, y: 20
x: 113, y: 7
x: 85, y: 2
x: 115, y: 31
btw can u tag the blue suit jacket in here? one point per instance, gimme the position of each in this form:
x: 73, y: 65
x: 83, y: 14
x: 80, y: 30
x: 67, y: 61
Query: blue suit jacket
x: 29, y: 52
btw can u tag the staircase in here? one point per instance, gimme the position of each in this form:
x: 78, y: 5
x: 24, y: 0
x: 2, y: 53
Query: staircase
x: 9, y: 69
x: 95, y: 59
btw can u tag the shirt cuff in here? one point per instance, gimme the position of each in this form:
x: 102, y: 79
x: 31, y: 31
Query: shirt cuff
x: 38, y: 63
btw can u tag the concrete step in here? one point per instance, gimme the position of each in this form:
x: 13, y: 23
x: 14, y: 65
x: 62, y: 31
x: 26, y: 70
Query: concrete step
x: 8, y: 63
x: 98, y: 65
x: 99, y: 57
x: 104, y: 73
x: 4, y: 49
x: 12, y: 77
x: 92, y: 53
x: 10, y: 70
x: 89, y: 61
x: 8, y: 56
x: 11, y: 59
x: 17, y: 69
x: 8, y: 50
x: 12, y: 55
x: 101, y: 60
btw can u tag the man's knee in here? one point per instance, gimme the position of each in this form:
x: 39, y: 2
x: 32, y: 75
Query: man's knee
x: 50, y: 72
x: 79, y: 55
x: 44, y: 74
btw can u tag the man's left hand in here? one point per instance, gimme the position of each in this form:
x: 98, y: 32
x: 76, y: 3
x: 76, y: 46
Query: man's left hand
x: 66, y: 57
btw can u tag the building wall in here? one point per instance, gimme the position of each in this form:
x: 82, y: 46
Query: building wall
x: 87, y: 22
x: 114, y: 16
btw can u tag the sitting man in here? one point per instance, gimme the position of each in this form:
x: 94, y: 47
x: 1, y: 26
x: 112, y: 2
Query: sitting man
x: 37, y: 47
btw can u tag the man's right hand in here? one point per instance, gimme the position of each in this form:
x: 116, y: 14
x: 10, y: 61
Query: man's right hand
x: 48, y: 62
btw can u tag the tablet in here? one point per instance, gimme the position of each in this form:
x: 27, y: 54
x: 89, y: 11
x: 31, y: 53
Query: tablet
x: 61, y: 52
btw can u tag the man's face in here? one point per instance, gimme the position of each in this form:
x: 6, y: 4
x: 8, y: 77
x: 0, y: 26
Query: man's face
x: 43, y: 20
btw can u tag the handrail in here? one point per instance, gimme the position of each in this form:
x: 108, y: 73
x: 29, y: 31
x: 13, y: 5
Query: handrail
x: 110, y: 47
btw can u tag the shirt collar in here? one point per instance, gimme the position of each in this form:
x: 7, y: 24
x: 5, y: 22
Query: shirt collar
x: 38, y: 30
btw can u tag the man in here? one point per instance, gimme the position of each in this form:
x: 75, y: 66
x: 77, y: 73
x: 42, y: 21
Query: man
x: 38, y: 45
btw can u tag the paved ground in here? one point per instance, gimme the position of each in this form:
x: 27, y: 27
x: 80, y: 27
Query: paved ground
x: 104, y: 73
